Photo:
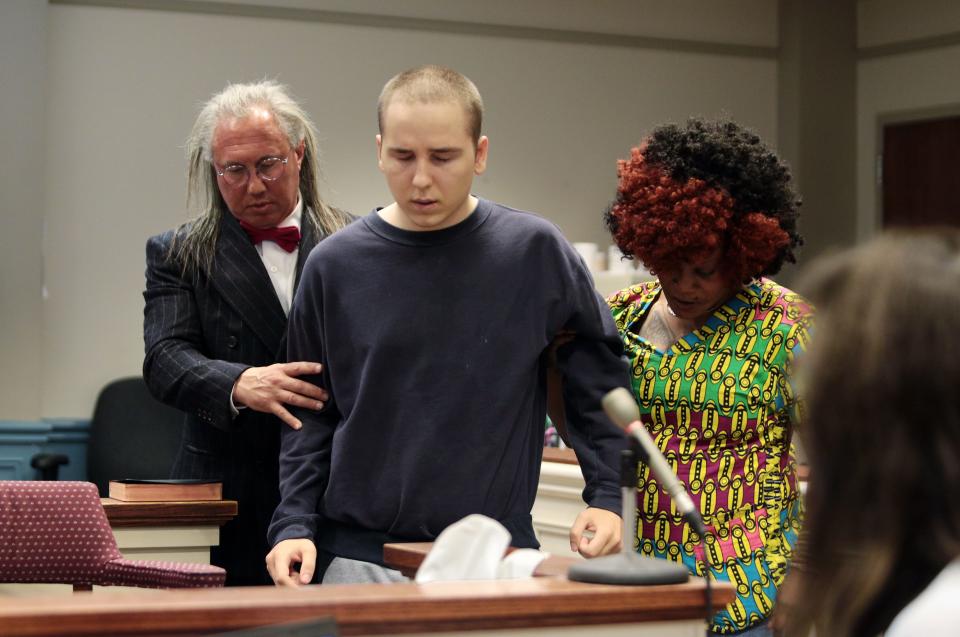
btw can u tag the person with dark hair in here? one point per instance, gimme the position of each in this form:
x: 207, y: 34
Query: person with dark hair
x: 218, y: 289
x: 437, y: 394
x: 882, y: 434
x: 709, y: 210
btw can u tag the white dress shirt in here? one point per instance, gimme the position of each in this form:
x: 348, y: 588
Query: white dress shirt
x: 280, y: 264
x: 935, y: 612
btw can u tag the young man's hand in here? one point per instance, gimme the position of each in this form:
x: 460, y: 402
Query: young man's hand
x: 285, y: 555
x: 605, y: 527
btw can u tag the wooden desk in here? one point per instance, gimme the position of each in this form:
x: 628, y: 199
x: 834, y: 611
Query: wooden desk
x: 130, y: 514
x: 559, y: 499
x: 532, y: 607
x: 171, y: 531
x: 563, y: 456
x: 406, y: 557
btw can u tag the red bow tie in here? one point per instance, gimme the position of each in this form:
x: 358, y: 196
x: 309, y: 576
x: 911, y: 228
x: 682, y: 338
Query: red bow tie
x: 288, y: 238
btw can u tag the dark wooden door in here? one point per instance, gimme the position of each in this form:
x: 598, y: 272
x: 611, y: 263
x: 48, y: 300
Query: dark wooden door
x: 921, y: 173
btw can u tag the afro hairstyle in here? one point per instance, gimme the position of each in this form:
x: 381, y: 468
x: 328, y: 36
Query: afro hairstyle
x: 685, y: 191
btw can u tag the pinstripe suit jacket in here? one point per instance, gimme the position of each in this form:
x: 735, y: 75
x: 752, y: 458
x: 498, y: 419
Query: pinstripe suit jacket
x: 200, y: 333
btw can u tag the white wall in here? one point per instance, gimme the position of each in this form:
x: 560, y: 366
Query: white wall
x: 123, y: 86
x: 744, y: 22
x: 912, y: 73
x: 817, y: 107
x: 97, y: 102
x: 889, y: 22
x: 22, y: 68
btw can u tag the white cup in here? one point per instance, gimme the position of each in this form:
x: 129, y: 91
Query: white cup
x: 616, y: 262
x: 642, y: 274
x: 588, y: 252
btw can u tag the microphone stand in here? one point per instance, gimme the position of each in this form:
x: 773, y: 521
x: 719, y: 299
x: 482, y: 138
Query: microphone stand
x: 627, y: 567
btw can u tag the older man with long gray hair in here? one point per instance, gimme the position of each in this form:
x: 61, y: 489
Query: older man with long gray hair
x: 218, y: 289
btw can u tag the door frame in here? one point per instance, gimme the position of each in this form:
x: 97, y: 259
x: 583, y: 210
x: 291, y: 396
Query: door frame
x: 908, y: 116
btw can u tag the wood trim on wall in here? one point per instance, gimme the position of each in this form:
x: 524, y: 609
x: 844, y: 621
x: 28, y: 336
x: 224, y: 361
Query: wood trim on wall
x: 439, y: 26
x: 908, y: 46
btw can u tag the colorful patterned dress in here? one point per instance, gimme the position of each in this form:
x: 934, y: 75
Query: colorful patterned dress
x: 720, y: 406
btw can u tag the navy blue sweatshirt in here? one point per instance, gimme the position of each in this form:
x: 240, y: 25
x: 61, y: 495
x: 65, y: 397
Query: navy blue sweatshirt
x: 433, y: 346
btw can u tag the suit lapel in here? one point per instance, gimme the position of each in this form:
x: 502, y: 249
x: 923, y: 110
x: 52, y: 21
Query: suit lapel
x: 308, y: 239
x: 239, y: 275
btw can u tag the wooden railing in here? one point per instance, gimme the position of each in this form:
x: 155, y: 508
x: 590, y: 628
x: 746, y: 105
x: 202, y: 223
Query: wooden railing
x: 362, y: 609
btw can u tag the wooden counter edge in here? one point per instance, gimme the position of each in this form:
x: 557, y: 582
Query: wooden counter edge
x: 196, y: 513
x: 556, y: 454
x: 362, y: 609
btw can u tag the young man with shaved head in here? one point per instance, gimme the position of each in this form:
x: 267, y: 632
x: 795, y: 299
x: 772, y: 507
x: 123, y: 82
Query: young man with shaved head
x: 432, y: 317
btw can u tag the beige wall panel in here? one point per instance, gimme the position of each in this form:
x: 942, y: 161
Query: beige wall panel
x: 888, y: 22
x: 123, y: 90
x: 22, y: 68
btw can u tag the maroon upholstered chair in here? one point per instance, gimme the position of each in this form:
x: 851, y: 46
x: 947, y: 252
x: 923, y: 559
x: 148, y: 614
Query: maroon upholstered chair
x: 57, y: 532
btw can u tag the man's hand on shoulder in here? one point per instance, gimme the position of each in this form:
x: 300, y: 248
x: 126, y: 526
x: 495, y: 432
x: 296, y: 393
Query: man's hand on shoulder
x: 268, y: 389
x: 605, y: 527
x: 283, y: 556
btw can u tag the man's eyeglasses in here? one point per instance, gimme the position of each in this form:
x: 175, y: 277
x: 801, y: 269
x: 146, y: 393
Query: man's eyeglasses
x: 268, y: 169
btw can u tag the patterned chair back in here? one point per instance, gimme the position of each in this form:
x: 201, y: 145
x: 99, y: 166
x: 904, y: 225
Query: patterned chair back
x: 58, y: 532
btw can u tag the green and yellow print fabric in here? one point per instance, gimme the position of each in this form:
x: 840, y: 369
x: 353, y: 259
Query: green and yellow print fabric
x: 720, y: 405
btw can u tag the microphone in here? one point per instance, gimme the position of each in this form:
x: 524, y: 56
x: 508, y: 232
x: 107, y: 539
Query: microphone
x: 627, y: 567
x: 622, y: 409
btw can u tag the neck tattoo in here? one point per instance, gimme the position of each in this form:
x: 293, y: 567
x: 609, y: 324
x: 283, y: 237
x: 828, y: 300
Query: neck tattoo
x: 675, y: 333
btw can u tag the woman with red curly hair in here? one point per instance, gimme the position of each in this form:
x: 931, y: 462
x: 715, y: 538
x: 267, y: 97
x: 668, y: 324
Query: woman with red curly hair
x: 709, y: 210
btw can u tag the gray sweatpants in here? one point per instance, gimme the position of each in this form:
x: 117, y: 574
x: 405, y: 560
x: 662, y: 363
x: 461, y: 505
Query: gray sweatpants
x: 346, y: 571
